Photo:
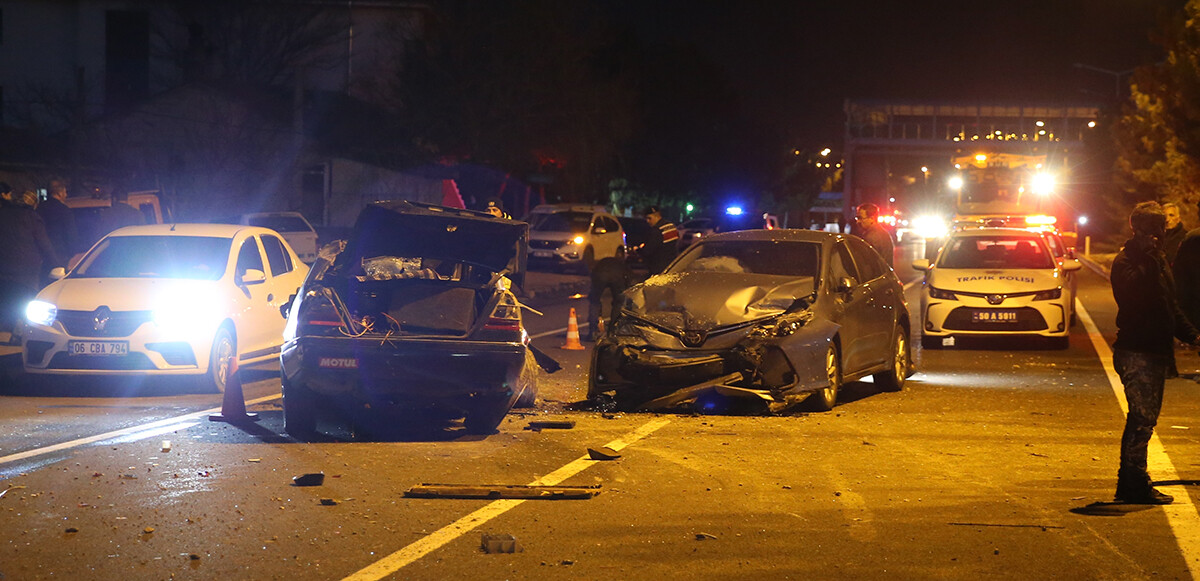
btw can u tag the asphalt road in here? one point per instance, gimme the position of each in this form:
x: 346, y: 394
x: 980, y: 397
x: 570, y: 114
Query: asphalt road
x: 996, y: 461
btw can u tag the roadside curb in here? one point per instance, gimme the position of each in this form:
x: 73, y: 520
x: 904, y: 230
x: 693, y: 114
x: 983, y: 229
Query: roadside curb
x: 1095, y: 266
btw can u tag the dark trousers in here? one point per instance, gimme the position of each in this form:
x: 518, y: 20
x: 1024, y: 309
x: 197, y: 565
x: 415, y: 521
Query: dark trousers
x: 1143, y: 376
x: 15, y: 292
x: 599, y: 285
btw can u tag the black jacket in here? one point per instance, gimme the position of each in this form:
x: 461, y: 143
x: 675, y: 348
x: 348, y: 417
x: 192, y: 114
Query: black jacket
x: 60, y: 227
x: 1186, y: 269
x: 24, y: 246
x: 1148, y: 317
x: 1171, y: 241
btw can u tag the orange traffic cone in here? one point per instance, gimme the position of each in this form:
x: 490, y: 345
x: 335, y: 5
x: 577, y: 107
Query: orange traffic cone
x: 233, y: 404
x: 573, y: 343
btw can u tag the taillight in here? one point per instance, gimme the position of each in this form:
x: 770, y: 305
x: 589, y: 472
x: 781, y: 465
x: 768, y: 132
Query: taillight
x: 318, y: 315
x: 506, y: 316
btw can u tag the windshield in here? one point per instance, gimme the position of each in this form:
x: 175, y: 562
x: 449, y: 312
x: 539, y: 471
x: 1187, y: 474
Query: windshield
x: 281, y: 223
x: 561, y: 222
x: 776, y: 258
x: 186, y: 257
x: 995, y: 252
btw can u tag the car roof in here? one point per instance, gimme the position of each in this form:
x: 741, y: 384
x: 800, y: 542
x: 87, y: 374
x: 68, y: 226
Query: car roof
x: 208, y: 230
x: 978, y: 232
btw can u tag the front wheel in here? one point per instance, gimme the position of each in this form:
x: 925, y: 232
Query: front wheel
x: 824, y: 400
x: 224, y: 349
x: 893, y: 378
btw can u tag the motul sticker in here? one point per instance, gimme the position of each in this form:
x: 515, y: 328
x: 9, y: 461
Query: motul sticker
x: 338, y: 363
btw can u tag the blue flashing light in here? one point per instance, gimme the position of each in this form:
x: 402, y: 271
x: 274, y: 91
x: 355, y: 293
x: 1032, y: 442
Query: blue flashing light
x: 734, y: 210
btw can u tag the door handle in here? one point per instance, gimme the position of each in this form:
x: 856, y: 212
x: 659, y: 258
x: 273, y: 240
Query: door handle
x: 270, y: 297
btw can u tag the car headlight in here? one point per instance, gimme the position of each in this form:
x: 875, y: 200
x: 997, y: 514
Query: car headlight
x: 577, y: 240
x: 1048, y: 295
x: 187, y: 314
x: 41, y: 313
x: 930, y: 226
x: 937, y: 293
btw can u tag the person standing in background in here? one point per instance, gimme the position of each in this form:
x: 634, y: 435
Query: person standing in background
x: 25, y: 253
x: 660, y: 249
x: 59, y: 221
x: 868, y: 229
x: 1175, y: 231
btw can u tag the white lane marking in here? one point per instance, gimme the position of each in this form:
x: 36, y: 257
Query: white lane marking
x: 1182, y: 515
x: 130, y: 434
x: 402, y: 558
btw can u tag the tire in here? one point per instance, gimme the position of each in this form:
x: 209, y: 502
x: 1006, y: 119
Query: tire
x: 928, y: 342
x: 528, y: 383
x: 224, y: 349
x: 299, y: 411
x: 484, y: 421
x: 893, y: 378
x: 825, y: 399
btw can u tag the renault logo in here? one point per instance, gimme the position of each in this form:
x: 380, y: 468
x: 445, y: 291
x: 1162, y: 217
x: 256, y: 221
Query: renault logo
x: 100, y: 318
x: 995, y: 299
x: 693, y: 338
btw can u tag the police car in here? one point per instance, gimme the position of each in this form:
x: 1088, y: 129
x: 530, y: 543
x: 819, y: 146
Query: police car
x: 996, y: 281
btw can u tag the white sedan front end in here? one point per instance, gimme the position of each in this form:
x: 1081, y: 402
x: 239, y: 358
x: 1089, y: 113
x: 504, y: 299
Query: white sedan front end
x: 995, y: 282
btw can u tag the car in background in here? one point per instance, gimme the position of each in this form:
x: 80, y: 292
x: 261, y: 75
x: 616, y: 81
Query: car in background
x: 692, y: 230
x: 573, y: 235
x: 772, y: 317
x: 293, y: 226
x: 93, y: 219
x: 996, y: 282
x: 163, y: 300
x: 413, y: 313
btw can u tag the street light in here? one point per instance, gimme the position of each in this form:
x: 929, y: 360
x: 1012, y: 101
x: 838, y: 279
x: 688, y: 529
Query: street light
x: 1116, y: 76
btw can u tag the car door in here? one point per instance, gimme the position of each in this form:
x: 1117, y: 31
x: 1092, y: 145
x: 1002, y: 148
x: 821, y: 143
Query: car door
x: 881, y: 304
x: 284, y: 278
x: 603, y: 237
x: 851, y: 308
x: 255, y: 327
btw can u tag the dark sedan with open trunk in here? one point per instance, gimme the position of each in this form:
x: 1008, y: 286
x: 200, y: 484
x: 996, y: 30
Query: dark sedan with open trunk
x: 764, y: 316
x: 413, y: 313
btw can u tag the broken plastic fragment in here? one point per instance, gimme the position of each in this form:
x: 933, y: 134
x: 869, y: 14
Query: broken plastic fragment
x: 311, y: 479
x: 500, y: 544
x: 603, y: 453
x: 705, y: 537
x: 166, y: 445
x: 329, y: 502
x: 550, y: 424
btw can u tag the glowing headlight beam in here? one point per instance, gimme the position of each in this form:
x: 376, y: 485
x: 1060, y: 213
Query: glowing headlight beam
x: 41, y: 313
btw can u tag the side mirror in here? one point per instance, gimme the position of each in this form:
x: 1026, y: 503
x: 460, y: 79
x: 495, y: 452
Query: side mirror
x: 286, y: 307
x: 921, y: 264
x: 57, y: 273
x: 1071, y: 265
x: 253, y: 276
x: 599, y: 230
x: 845, y: 285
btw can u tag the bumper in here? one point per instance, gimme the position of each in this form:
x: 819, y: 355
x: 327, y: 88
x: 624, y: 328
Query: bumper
x: 145, y: 352
x: 975, y: 317
x: 409, y: 372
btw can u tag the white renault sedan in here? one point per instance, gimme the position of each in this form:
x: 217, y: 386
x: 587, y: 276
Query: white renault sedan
x: 996, y: 281
x: 165, y: 300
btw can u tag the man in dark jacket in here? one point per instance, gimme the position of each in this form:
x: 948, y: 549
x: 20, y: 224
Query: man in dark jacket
x: 868, y: 229
x: 1148, y: 320
x: 661, y: 245
x: 1175, y: 231
x: 24, y: 250
x: 613, y: 275
x: 59, y: 221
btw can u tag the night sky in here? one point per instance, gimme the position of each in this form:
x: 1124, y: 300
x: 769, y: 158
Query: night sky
x: 792, y: 64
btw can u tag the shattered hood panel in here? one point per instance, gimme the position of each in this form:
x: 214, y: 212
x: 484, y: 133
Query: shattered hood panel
x: 414, y: 230
x: 710, y: 300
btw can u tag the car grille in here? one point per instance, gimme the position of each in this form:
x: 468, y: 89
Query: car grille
x: 119, y: 323
x: 1028, y: 319
x: 131, y: 362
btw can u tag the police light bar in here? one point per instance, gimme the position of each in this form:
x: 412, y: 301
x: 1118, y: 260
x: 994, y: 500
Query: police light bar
x: 1040, y: 220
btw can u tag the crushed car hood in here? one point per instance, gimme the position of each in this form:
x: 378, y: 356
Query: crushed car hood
x: 710, y: 300
x: 991, y: 281
x: 411, y: 229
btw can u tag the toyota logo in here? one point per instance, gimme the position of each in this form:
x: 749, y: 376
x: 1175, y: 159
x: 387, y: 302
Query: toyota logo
x: 693, y: 338
x: 100, y: 318
x: 995, y: 299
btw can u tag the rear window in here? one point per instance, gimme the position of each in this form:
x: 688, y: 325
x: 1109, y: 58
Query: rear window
x: 995, y: 252
x: 576, y: 222
x: 281, y: 223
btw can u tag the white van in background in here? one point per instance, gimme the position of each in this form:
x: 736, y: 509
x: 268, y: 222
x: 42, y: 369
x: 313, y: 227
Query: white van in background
x: 294, y: 228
